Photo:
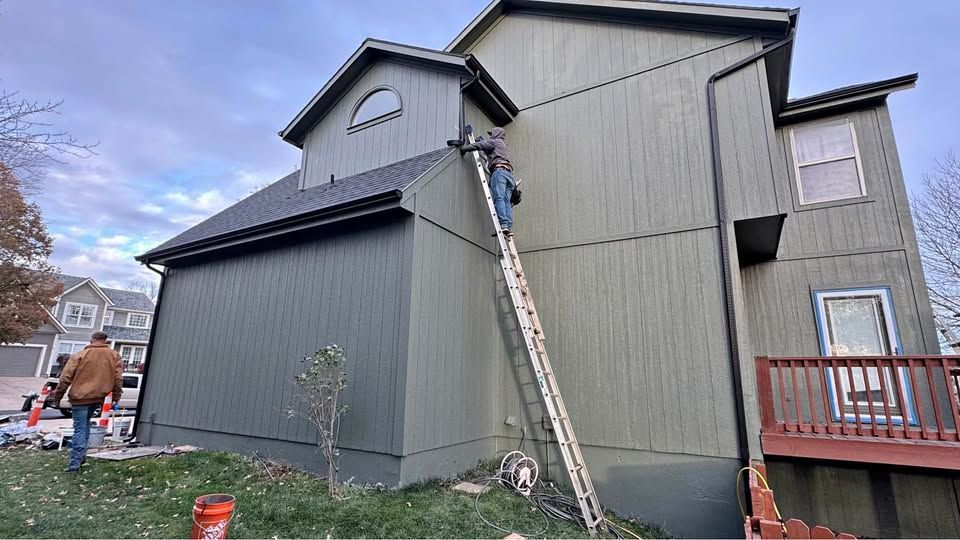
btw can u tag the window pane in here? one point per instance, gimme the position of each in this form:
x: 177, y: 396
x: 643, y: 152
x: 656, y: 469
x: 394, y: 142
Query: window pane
x: 856, y: 326
x: 130, y: 382
x: 376, y: 105
x: 138, y: 355
x: 822, y: 142
x: 830, y: 181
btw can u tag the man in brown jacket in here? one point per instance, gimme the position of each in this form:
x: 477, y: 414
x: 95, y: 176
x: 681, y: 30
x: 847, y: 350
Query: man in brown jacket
x: 90, y: 375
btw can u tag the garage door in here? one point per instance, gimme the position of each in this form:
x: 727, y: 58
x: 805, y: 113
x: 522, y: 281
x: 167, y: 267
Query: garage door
x: 18, y: 361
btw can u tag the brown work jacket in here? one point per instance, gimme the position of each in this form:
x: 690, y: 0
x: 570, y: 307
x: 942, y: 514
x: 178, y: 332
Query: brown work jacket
x: 90, y: 375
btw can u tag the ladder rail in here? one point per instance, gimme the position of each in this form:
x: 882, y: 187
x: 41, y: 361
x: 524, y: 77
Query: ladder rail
x: 532, y: 331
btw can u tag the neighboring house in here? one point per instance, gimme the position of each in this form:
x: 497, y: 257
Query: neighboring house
x: 666, y: 247
x: 84, y: 308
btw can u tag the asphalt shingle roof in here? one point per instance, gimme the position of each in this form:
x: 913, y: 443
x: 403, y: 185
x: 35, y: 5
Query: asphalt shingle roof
x: 283, y: 199
x: 136, y: 301
x: 123, y: 333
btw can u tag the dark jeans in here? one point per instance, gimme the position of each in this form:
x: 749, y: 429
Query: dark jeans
x: 501, y: 187
x: 81, y: 433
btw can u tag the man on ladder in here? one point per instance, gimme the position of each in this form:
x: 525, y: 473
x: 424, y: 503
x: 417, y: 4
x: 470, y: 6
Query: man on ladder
x: 502, y: 183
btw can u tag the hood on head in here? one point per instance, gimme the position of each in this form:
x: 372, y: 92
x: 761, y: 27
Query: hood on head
x: 497, y: 133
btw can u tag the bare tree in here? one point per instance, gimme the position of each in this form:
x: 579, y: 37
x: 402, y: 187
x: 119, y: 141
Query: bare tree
x: 937, y: 212
x: 28, y: 142
x: 149, y: 288
x: 320, y: 387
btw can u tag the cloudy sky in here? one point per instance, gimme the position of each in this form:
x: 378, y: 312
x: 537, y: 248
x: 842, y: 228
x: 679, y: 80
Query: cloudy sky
x: 186, y: 98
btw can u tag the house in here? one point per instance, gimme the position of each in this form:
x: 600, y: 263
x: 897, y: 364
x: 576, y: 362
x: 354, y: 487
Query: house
x: 83, y: 308
x: 681, y: 217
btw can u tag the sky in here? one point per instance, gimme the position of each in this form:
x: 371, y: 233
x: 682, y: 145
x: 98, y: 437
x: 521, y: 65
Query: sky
x: 185, y: 98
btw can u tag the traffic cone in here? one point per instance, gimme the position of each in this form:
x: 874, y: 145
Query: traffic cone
x: 105, y: 410
x: 38, y: 407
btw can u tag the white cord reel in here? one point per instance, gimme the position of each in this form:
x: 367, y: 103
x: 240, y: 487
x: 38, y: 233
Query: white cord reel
x: 519, y: 472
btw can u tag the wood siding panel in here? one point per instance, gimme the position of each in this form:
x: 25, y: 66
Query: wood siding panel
x: 634, y: 332
x: 534, y: 57
x: 431, y: 116
x: 454, y: 356
x: 232, y: 333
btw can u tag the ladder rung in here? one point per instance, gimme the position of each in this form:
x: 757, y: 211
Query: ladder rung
x: 575, y: 469
x: 586, y: 494
x: 561, y: 418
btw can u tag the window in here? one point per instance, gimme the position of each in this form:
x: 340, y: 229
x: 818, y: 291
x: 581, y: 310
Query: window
x: 378, y: 105
x: 138, y: 320
x: 79, y: 315
x: 859, y: 322
x: 108, y: 318
x: 132, y: 356
x: 827, y: 162
x: 70, y: 347
x: 131, y: 381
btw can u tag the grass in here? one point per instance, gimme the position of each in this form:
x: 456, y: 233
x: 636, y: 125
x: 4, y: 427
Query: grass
x: 153, y: 498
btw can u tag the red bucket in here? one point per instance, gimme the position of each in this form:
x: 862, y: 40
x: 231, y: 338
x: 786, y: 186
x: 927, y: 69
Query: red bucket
x: 212, y: 515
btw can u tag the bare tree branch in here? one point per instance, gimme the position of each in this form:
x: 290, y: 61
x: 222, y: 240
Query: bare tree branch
x: 937, y: 214
x: 28, y: 142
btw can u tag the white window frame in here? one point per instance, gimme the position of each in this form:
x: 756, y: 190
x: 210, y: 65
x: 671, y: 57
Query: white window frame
x: 66, y: 314
x: 890, y: 322
x: 133, y: 313
x: 353, y: 126
x: 856, y: 156
x: 73, y: 344
x: 108, y: 317
x: 133, y: 349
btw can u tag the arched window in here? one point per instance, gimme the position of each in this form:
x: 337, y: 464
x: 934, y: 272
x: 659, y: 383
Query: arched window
x: 377, y: 105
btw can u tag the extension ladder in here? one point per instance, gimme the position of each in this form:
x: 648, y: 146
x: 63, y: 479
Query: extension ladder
x: 533, y: 337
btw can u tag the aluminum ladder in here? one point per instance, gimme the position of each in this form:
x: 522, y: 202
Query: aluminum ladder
x: 540, y: 363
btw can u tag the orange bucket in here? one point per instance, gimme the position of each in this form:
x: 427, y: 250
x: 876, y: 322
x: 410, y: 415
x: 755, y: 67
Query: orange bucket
x: 211, y: 515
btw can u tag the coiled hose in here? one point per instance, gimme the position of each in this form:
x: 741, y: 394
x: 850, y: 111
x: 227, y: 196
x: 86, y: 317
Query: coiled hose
x: 519, y: 473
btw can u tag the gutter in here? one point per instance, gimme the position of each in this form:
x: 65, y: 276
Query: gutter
x: 148, y: 355
x: 731, y: 318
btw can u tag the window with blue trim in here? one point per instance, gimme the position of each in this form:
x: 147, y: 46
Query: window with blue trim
x: 859, y: 322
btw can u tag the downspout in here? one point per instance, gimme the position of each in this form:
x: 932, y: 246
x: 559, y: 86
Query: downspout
x: 148, y: 356
x: 463, y: 87
x: 731, y: 315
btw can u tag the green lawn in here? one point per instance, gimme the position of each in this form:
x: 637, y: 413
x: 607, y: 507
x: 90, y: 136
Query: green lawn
x: 153, y: 498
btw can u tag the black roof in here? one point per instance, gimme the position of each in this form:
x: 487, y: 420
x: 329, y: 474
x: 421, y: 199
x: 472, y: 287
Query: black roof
x: 283, y: 200
x: 124, y: 333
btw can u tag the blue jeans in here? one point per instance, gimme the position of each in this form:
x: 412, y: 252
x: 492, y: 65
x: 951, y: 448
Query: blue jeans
x: 501, y: 186
x: 81, y: 433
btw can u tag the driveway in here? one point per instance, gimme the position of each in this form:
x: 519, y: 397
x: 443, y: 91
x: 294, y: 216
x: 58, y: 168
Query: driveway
x: 13, y: 388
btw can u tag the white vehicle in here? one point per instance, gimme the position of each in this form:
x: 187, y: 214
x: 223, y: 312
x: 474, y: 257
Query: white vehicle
x: 131, y: 392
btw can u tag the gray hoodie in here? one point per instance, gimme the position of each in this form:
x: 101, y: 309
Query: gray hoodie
x: 495, y: 148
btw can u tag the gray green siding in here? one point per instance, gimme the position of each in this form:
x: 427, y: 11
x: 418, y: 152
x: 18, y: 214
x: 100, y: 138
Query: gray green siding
x: 84, y: 294
x: 861, y: 242
x: 454, y: 350
x: 431, y: 116
x: 232, y: 333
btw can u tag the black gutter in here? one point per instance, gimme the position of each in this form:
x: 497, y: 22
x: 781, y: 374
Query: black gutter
x: 850, y: 91
x: 148, y: 355
x: 731, y: 315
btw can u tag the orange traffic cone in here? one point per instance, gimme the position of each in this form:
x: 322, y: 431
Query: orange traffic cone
x: 105, y: 410
x: 38, y: 407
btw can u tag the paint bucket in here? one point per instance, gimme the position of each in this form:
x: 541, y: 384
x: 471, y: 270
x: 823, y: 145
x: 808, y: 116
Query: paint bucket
x: 211, y: 515
x: 97, y: 435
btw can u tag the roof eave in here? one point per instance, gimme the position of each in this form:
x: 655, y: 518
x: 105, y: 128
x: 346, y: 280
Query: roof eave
x: 845, y: 98
x: 368, y: 52
x: 373, y: 203
x: 774, y: 21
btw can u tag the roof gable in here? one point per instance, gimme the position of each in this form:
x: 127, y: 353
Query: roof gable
x: 372, y: 50
x: 759, y: 21
x: 72, y: 283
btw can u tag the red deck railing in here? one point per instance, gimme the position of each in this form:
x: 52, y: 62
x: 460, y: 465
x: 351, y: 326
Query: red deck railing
x: 883, y: 409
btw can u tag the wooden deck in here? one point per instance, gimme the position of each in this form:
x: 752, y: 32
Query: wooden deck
x: 895, y: 410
